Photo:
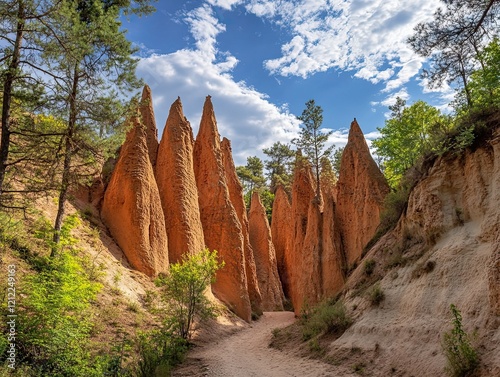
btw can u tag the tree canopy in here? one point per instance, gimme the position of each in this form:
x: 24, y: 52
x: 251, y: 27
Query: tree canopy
x: 312, y: 139
x: 406, y: 137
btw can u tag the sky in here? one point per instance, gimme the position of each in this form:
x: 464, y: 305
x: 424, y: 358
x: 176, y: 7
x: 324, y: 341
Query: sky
x: 262, y: 60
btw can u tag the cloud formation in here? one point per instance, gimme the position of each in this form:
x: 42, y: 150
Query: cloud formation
x: 244, y: 115
x: 364, y: 36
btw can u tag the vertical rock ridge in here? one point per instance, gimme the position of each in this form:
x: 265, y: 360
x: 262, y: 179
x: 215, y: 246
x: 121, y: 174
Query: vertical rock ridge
x: 281, y: 233
x: 361, y: 189
x: 148, y: 119
x: 265, y: 256
x: 302, y: 195
x: 238, y: 202
x: 131, y: 207
x: 177, y: 185
x: 221, y: 227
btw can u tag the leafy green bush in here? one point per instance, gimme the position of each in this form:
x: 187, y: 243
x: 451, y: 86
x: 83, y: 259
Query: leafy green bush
x: 54, y: 316
x: 184, y: 287
x: 159, y: 351
x: 55, y: 319
x: 462, y: 358
x: 327, y: 317
x: 376, y: 295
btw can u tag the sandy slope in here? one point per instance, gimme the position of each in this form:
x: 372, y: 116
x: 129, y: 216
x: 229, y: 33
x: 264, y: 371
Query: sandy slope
x: 246, y: 354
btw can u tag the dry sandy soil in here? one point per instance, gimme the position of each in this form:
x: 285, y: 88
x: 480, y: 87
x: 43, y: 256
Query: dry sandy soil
x: 246, y: 353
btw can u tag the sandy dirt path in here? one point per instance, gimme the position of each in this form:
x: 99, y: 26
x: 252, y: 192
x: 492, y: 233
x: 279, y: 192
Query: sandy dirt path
x: 247, y: 354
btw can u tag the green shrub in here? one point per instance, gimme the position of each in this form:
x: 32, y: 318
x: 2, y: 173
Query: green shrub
x: 55, y: 319
x: 327, y: 317
x: 184, y: 288
x: 376, y: 295
x: 462, y: 358
x: 369, y: 267
x: 159, y: 351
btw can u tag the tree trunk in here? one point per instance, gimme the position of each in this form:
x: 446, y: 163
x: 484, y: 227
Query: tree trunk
x: 7, y: 94
x: 68, y: 155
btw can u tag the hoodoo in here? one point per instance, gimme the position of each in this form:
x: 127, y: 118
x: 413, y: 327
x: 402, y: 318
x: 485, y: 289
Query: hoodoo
x: 265, y: 256
x: 361, y: 189
x: 132, y: 208
x: 177, y: 184
x: 221, y: 227
x: 236, y: 196
x: 281, y: 233
x: 302, y: 196
x: 148, y: 119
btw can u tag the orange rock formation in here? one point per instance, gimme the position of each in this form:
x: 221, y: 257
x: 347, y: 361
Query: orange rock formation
x: 265, y: 256
x: 302, y: 196
x: 236, y: 196
x: 281, y: 226
x: 132, y: 208
x: 148, y: 119
x: 221, y: 227
x: 361, y: 190
x: 177, y: 185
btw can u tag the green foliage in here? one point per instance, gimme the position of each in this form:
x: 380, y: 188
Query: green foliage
x: 461, y: 356
x: 54, y: 316
x: 312, y: 138
x: 252, y: 174
x: 326, y: 317
x: 337, y: 159
x: 159, y: 351
x: 483, y: 88
x: 376, y: 295
x: 279, y: 165
x: 184, y: 287
x: 407, y: 136
x: 369, y: 267
x: 55, y: 319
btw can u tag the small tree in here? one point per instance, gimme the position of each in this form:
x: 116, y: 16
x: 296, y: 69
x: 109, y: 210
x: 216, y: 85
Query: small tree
x: 279, y: 165
x: 184, y: 288
x: 312, y: 139
x: 252, y: 177
x: 461, y: 355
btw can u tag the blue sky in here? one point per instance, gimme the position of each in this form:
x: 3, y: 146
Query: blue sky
x: 261, y: 60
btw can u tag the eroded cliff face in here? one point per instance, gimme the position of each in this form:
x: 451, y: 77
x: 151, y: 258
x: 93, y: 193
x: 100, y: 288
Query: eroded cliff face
x: 265, y: 256
x: 177, y: 186
x: 444, y: 250
x: 132, y: 209
x: 361, y: 189
x: 238, y: 202
x: 221, y: 227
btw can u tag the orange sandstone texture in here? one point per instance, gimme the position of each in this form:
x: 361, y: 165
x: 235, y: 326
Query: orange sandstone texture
x: 148, y: 119
x: 238, y: 202
x: 131, y: 207
x: 177, y: 185
x: 281, y: 231
x: 361, y: 189
x: 302, y: 196
x: 265, y: 256
x: 333, y: 260
x: 221, y: 227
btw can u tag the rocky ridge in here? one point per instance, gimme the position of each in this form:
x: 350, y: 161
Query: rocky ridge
x: 304, y: 255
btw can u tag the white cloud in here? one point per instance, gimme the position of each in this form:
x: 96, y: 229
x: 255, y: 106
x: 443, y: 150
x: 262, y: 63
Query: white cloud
x: 244, y: 115
x: 225, y: 4
x: 359, y: 35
